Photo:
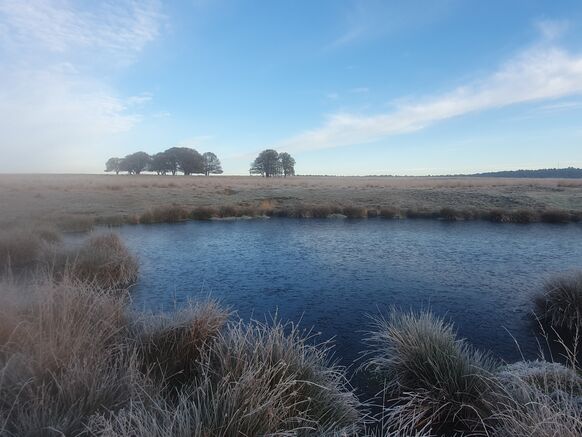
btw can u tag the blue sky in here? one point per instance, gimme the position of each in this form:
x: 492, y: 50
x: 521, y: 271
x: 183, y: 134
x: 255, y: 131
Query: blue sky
x: 347, y: 87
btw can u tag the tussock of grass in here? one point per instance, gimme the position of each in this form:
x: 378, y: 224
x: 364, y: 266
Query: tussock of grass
x: 430, y: 375
x: 102, y: 260
x: 18, y: 249
x: 168, y: 214
x: 560, y: 302
x: 520, y: 378
x: 63, y: 359
x: 278, y: 373
x: 74, y: 362
x: 25, y: 247
x: 539, y: 399
x: 171, y: 347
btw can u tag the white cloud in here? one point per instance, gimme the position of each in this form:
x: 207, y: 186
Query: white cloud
x: 56, y: 107
x: 537, y: 74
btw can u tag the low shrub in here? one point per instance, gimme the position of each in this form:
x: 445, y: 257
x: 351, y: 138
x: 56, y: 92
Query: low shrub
x: 560, y: 302
x: 430, y: 376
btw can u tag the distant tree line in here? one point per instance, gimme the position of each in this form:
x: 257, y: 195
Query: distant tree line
x: 567, y: 173
x: 171, y: 161
x: 271, y: 163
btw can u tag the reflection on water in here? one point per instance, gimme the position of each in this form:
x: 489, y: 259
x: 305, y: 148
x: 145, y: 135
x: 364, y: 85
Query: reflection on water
x: 332, y: 274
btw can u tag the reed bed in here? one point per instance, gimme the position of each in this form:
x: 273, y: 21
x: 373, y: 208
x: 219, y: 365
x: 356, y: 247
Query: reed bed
x: 174, y: 214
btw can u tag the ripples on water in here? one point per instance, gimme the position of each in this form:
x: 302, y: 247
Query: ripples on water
x: 332, y: 274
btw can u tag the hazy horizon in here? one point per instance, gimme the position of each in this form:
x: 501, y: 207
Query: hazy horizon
x: 347, y: 87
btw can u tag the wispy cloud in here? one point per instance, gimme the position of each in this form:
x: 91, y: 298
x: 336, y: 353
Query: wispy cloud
x: 62, y: 26
x: 552, y: 29
x: 537, y: 74
x: 54, y: 58
x: 364, y: 20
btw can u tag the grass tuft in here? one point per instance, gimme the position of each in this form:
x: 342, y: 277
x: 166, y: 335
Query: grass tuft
x: 171, y: 347
x: 560, y: 302
x: 102, y: 260
x: 429, y: 374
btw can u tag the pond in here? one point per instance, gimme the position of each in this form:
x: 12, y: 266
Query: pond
x: 333, y: 274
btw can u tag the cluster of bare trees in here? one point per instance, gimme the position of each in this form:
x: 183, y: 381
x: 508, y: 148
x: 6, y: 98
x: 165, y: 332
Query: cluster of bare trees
x: 271, y: 163
x: 170, y: 161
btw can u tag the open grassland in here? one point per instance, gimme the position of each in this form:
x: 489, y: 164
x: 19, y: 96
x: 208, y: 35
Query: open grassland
x: 74, y: 202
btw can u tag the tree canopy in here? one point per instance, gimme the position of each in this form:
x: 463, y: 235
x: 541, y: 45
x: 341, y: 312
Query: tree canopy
x: 271, y: 163
x: 211, y: 164
x: 172, y: 160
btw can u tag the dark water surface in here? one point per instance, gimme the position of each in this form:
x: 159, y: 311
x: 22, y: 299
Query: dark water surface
x: 332, y: 274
